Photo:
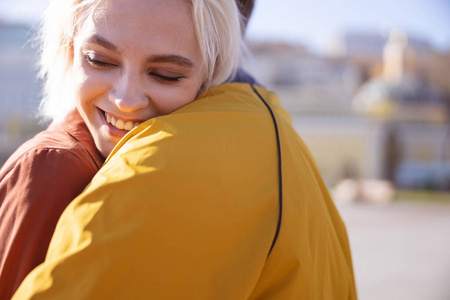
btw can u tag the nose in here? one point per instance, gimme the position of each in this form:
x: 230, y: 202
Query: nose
x: 128, y: 93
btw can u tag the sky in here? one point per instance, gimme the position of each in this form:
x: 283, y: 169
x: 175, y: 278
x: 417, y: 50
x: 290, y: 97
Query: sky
x: 312, y: 22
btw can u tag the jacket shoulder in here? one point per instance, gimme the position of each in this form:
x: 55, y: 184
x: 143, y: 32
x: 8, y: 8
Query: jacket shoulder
x: 48, y: 145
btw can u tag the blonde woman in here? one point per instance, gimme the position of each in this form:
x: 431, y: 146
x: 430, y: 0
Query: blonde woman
x: 216, y: 198
x: 101, y: 82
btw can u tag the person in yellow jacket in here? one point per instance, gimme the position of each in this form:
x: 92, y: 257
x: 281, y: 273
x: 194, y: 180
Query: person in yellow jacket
x: 218, y: 200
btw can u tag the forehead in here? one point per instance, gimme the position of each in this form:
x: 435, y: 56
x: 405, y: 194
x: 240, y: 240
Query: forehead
x: 144, y: 23
x: 173, y: 9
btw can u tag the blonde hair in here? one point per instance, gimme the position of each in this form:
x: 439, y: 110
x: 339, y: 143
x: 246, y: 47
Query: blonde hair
x: 217, y: 26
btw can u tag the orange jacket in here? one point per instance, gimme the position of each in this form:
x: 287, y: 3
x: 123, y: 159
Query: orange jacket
x: 36, y: 184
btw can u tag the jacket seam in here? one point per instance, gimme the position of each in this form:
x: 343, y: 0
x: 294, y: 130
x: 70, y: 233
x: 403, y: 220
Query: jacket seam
x: 280, y: 174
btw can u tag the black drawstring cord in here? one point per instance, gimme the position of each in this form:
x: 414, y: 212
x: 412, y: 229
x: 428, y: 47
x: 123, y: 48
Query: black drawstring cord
x: 280, y: 174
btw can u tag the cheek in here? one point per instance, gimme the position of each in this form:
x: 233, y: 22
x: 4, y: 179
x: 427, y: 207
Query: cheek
x: 87, y: 86
x: 170, y: 99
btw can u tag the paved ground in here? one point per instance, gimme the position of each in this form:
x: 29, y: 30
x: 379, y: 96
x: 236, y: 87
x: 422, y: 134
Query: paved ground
x: 400, y: 250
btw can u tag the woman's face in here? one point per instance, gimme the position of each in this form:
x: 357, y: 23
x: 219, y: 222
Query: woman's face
x: 134, y: 60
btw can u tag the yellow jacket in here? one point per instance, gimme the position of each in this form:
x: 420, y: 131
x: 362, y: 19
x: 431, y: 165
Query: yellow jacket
x: 188, y: 206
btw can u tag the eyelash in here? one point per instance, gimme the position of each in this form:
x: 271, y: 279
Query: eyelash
x: 165, y: 78
x: 97, y: 62
x: 102, y: 64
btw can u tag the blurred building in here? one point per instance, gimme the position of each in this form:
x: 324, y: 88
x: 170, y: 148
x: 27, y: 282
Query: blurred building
x: 368, y: 44
x: 306, y: 83
x: 366, y: 110
x: 415, y: 116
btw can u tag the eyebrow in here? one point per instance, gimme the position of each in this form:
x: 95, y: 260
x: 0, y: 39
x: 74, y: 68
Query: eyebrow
x: 169, y: 58
x: 96, y: 39
x: 172, y: 58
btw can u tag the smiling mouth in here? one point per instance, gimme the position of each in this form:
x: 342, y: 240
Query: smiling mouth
x: 120, y: 124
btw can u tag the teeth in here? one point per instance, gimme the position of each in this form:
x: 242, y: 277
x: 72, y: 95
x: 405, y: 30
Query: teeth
x: 129, y: 125
x: 120, y: 124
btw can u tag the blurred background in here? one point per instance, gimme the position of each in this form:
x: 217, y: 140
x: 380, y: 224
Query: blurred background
x: 368, y: 86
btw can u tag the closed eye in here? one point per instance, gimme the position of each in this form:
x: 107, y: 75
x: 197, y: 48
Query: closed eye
x: 166, y: 78
x: 98, y: 63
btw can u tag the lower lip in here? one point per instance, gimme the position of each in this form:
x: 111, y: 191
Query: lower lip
x: 112, y: 130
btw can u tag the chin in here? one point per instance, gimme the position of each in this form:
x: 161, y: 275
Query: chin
x: 103, y: 148
x: 105, y: 151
